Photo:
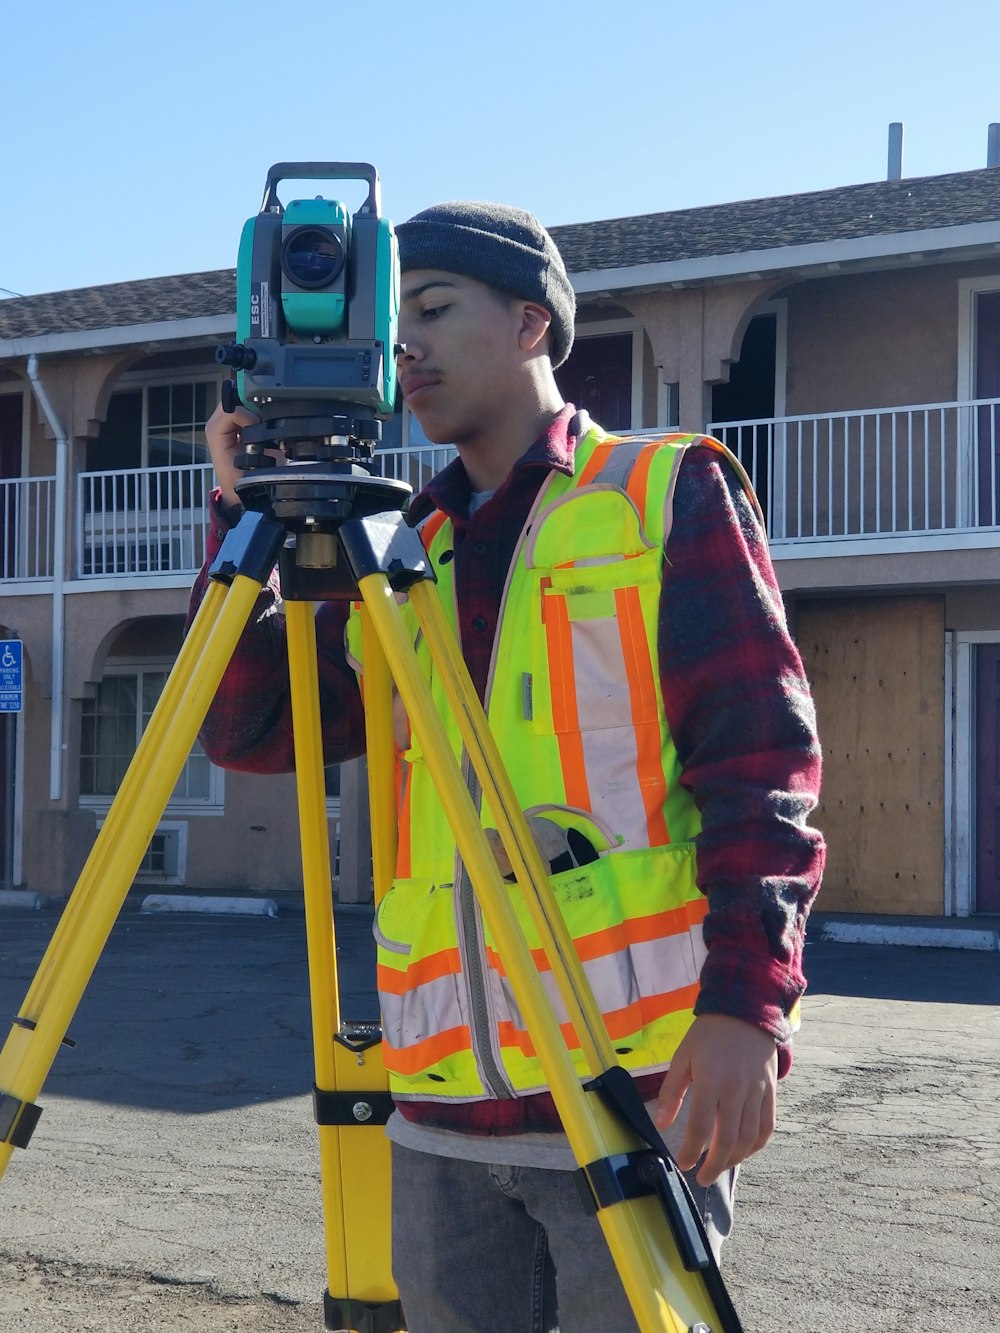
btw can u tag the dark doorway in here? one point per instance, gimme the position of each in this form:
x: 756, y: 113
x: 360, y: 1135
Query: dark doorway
x: 987, y: 385
x: 987, y: 777
x: 749, y: 396
x: 10, y: 469
x: 598, y: 377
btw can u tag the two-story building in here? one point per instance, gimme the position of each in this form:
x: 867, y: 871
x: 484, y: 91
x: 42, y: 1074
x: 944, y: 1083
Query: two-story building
x: 845, y: 343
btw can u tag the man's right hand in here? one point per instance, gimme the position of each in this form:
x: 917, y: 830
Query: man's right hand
x: 224, y: 436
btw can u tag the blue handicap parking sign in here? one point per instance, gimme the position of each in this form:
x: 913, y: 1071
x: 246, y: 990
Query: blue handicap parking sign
x: 11, y: 676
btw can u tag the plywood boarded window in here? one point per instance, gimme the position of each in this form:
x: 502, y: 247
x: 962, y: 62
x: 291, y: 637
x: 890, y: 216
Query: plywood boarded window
x: 877, y: 671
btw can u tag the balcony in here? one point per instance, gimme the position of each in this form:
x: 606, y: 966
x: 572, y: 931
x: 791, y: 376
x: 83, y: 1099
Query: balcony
x: 915, y: 477
x: 27, y: 529
x: 928, y: 472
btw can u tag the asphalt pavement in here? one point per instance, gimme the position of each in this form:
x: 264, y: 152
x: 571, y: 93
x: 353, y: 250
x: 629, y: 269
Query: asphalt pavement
x: 172, y: 1182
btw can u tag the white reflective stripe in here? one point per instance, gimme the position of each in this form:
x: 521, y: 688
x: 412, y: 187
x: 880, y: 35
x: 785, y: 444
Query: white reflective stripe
x: 646, y: 970
x: 665, y: 965
x: 611, y: 760
x: 602, y: 687
x: 422, y: 1012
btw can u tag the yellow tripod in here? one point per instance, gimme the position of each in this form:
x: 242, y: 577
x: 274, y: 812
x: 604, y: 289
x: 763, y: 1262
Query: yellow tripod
x: 630, y: 1181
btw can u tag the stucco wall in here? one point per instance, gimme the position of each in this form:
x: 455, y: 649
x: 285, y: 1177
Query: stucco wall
x: 875, y: 339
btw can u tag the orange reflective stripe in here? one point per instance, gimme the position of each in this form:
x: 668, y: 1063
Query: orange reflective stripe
x: 444, y: 963
x: 538, y: 957
x: 511, y: 1036
x: 565, y: 719
x: 425, y: 1054
x: 643, y: 695
x: 616, y: 939
x: 595, y: 462
x: 429, y: 530
x: 640, y: 930
x: 630, y: 1020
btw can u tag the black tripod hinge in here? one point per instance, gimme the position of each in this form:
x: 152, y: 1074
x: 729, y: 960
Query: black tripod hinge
x: 351, y: 1108
x: 634, y: 1174
x: 385, y: 544
x: 251, y: 548
x: 17, y: 1120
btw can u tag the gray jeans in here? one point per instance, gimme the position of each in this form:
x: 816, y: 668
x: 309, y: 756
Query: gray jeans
x: 507, y: 1249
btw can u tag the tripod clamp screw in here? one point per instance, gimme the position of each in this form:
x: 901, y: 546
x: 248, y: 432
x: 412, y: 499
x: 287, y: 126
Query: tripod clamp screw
x: 363, y: 1111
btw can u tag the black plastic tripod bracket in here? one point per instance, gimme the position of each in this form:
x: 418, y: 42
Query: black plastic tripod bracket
x: 349, y: 1316
x: 385, y: 544
x: 17, y: 1120
x: 351, y: 1108
x: 251, y: 548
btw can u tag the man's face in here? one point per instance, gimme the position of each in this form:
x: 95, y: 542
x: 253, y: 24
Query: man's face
x: 462, y: 353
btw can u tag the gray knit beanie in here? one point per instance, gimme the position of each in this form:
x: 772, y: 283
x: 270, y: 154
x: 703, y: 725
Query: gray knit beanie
x: 504, y: 247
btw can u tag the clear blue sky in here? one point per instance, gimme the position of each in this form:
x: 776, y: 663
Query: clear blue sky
x: 138, y: 136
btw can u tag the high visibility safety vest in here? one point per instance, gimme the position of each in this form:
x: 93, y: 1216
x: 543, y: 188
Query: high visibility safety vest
x: 575, y: 705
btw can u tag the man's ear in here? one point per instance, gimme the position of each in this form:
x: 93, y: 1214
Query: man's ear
x: 535, y: 323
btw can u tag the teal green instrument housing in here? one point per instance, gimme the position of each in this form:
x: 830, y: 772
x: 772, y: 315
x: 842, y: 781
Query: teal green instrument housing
x: 317, y: 305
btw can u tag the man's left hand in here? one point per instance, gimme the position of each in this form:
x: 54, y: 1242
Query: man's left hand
x: 731, y: 1070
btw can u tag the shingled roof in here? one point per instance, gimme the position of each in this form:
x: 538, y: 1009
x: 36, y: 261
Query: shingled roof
x: 852, y: 212
x: 855, y: 211
x: 120, y: 304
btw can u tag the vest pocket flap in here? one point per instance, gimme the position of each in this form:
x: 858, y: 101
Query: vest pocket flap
x: 403, y: 914
x: 606, y: 526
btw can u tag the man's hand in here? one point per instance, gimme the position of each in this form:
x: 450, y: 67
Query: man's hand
x: 731, y: 1069
x: 223, y: 434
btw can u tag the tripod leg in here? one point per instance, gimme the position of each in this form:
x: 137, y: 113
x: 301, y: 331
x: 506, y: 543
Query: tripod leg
x: 354, y: 1152
x: 97, y: 898
x: 635, y: 1228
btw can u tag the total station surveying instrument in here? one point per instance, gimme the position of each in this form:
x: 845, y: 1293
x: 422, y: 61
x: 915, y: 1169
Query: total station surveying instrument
x: 317, y: 308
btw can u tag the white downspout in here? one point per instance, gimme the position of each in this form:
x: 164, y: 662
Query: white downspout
x: 58, y: 579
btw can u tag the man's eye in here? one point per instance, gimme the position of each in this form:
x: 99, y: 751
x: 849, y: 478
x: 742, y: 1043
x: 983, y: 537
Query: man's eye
x: 432, y: 312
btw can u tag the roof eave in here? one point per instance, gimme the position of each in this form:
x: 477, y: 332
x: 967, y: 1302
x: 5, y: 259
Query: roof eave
x: 126, y: 335
x: 816, y: 257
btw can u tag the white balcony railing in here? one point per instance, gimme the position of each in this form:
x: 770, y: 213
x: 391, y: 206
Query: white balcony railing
x: 142, y: 522
x: 909, y: 471
x: 900, y: 471
x: 414, y: 465
x: 27, y: 528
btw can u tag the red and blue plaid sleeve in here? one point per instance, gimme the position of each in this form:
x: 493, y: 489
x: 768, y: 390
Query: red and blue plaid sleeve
x: 742, y: 717
x: 249, y: 725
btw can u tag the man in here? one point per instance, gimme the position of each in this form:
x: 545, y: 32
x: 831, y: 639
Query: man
x: 623, y: 626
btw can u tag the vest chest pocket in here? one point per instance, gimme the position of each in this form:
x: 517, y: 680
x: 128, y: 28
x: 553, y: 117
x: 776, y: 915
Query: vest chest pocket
x: 593, y: 643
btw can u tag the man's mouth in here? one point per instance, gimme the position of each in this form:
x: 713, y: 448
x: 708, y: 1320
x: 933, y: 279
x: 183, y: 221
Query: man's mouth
x: 415, y: 386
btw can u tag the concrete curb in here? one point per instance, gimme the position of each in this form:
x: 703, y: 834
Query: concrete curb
x: 34, y: 902
x: 928, y: 936
x: 181, y: 902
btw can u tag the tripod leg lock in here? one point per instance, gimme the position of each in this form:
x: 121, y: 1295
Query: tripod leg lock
x: 17, y: 1120
x: 632, y: 1175
x: 351, y: 1108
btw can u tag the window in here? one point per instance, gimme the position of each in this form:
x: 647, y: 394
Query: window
x: 113, y: 722
x: 154, y: 425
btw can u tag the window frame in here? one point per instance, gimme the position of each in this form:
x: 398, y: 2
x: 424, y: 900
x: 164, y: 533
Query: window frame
x: 212, y: 804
